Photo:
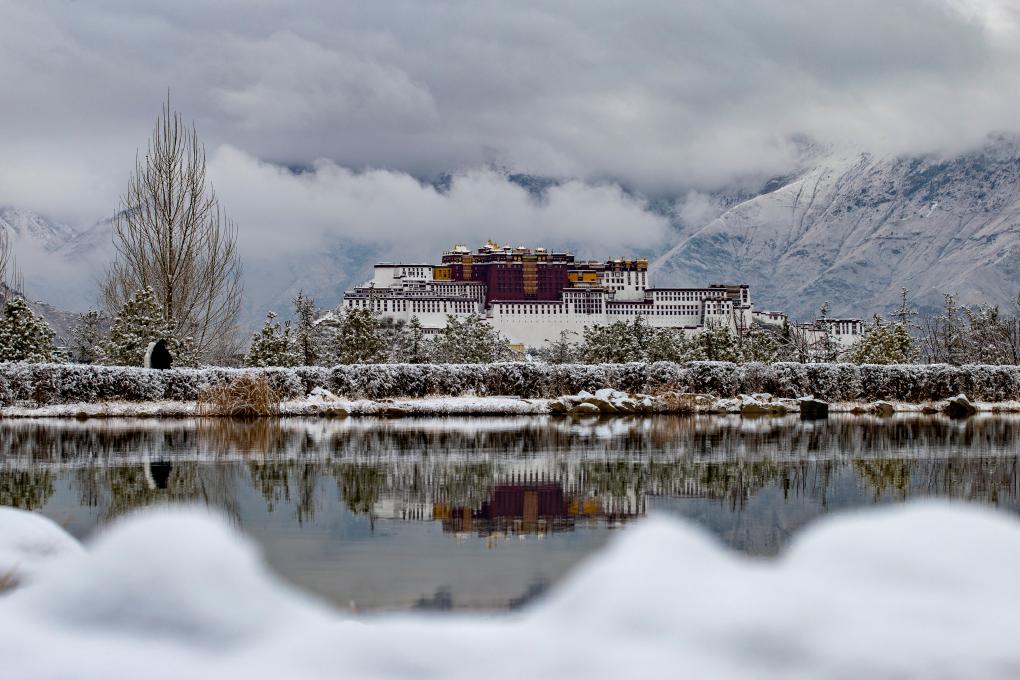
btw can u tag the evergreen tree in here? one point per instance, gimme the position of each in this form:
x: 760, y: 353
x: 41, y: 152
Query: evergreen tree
x: 826, y: 349
x: 24, y: 336
x: 140, y: 322
x: 673, y: 345
x: 273, y: 345
x: 611, y: 344
x: 719, y: 344
x: 758, y: 345
x: 359, y: 339
x: 87, y: 338
x: 307, y: 338
x: 883, y: 344
x: 410, y: 346
x: 470, y: 340
x: 562, y: 350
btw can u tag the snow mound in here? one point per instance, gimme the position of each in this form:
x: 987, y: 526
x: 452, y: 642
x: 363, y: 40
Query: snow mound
x: 28, y: 541
x: 923, y: 590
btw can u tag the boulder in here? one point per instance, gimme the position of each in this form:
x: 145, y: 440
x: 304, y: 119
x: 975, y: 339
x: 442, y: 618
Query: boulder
x: 585, y: 409
x: 811, y: 408
x: 960, y: 407
x: 603, y: 405
x: 557, y: 406
x: 727, y: 405
x: 627, y: 405
x: 883, y: 408
x: 609, y: 394
x: 753, y: 407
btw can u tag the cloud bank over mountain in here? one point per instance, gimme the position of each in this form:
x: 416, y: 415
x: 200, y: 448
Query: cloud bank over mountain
x: 659, y: 96
x: 355, y: 130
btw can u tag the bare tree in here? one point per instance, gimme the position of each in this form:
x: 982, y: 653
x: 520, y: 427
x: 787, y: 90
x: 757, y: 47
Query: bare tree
x: 172, y: 235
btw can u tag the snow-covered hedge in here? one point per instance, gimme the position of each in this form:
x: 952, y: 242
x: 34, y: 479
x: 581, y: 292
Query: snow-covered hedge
x: 68, y: 383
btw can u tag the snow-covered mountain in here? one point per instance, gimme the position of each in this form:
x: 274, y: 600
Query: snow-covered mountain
x: 852, y: 228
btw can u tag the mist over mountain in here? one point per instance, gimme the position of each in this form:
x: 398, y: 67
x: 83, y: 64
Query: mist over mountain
x: 848, y: 228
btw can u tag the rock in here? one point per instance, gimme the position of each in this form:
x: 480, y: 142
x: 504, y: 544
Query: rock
x: 811, y: 408
x: 883, y: 408
x: 585, y: 409
x: 602, y: 405
x: 761, y: 396
x: 609, y: 394
x: 626, y: 405
x: 960, y: 407
x: 753, y: 407
x: 727, y: 405
x: 929, y: 409
x: 792, y: 405
x: 584, y: 395
x: 557, y: 406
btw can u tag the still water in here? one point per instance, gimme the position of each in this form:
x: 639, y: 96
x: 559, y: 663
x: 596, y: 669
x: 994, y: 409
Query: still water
x: 442, y: 513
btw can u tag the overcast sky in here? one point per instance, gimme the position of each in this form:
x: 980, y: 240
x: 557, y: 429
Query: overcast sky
x: 364, y: 96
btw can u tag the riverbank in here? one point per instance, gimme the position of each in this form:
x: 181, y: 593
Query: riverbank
x: 521, y: 388
x: 749, y: 406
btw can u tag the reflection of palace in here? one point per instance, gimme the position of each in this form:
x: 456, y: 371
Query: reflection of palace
x: 521, y: 504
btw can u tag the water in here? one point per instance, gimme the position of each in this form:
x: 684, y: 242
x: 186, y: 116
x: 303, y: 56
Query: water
x: 443, y: 513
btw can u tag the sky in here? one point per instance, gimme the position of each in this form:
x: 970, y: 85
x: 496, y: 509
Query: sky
x: 333, y: 117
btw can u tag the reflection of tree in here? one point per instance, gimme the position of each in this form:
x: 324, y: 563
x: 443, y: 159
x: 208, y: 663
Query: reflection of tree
x: 359, y: 485
x: 272, y: 478
x: 25, y: 489
x: 129, y: 487
x: 884, y: 476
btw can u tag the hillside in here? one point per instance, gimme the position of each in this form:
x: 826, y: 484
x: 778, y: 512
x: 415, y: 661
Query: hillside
x: 852, y: 229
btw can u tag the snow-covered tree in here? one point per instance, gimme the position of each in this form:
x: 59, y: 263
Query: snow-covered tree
x: 139, y: 322
x: 943, y: 336
x: 87, y: 337
x: 668, y: 344
x: 563, y: 350
x: 883, y: 343
x: 410, y: 346
x: 759, y: 345
x: 719, y: 344
x: 307, y: 340
x: 359, y: 339
x: 826, y: 349
x: 616, y: 343
x: 470, y: 340
x: 273, y: 345
x: 24, y: 336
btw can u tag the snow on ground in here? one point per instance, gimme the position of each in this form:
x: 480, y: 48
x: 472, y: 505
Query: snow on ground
x: 926, y: 590
x: 27, y: 542
x: 296, y: 407
x: 426, y: 406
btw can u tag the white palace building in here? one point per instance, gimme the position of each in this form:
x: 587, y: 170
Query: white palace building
x: 532, y: 295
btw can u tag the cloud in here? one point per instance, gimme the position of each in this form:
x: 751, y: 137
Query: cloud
x: 662, y: 97
x: 281, y: 212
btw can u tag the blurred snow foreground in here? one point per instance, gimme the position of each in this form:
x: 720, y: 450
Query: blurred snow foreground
x: 922, y: 590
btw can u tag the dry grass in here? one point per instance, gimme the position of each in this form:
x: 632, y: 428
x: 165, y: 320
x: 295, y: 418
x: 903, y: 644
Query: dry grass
x: 243, y: 397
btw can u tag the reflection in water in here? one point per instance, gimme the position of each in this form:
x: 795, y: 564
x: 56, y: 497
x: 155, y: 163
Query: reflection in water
x: 388, y: 512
